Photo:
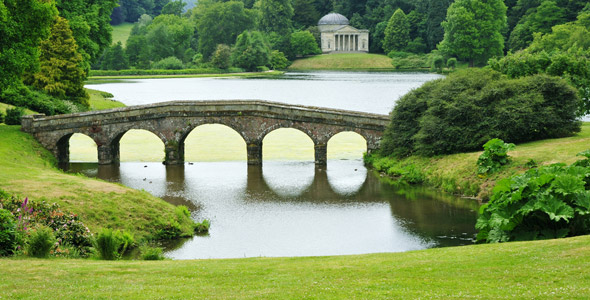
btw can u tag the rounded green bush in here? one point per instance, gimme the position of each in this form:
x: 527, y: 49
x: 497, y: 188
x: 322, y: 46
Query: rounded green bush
x: 40, y: 242
x: 7, y: 233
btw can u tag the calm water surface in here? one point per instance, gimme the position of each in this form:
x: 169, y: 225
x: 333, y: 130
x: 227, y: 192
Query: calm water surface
x: 293, y: 208
x: 297, y: 209
x: 371, y: 92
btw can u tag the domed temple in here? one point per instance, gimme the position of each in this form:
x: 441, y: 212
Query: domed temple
x: 338, y: 36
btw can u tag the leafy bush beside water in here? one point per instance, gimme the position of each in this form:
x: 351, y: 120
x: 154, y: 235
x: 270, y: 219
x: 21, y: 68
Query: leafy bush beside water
x: 494, y: 156
x: 463, y: 111
x: 543, y: 203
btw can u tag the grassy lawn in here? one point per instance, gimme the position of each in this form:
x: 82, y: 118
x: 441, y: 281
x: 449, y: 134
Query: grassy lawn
x: 27, y: 169
x: 100, y: 100
x: 457, y: 173
x: 122, y: 32
x: 344, y: 61
x: 552, y: 269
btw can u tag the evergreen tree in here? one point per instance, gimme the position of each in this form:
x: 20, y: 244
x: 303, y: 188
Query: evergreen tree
x: 305, y: 13
x: 61, y: 74
x: 473, y: 30
x: 250, y: 51
x: 221, y: 58
x: 276, y: 16
x: 397, y: 32
x: 436, y: 13
x: 114, y: 58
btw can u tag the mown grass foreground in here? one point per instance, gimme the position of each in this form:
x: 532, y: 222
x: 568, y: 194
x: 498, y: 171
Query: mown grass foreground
x: 344, y: 61
x: 552, y: 269
x: 28, y: 170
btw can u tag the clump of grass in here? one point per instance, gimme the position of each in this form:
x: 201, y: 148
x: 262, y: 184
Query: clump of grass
x: 151, y: 253
x: 40, y: 242
x: 203, y: 227
x: 111, y: 245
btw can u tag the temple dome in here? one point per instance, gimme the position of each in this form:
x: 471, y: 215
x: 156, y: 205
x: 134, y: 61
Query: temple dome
x: 333, y: 19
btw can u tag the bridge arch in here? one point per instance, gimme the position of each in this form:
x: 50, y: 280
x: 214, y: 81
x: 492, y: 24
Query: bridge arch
x: 299, y: 143
x: 223, y: 146
x: 111, y: 150
x: 354, y: 143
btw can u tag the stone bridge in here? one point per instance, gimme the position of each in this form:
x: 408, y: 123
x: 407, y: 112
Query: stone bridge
x: 173, y: 121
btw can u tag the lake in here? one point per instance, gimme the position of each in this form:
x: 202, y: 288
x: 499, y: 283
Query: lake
x: 288, y: 206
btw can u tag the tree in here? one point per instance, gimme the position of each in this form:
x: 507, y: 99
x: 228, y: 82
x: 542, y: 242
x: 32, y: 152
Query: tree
x: 61, y: 74
x: 304, y: 43
x: 221, y: 58
x: 89, y: 21
x: 397, y: 32
x: 473, y: 30
x: 305, y: 13
x: 173, y: 8
x: 220, y: 23
x: 276, y: 16
x: 435, y: 15
x: 539, y: 20
x: 278, y: 61
x: 23, y: 24
x: 250, y: 51
x: 114, y: 58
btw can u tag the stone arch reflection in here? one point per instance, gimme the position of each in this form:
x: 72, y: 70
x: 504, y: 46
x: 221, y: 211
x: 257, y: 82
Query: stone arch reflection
x: 214, y: 142
x: 287, y: 144
x: 346, y: 145
x: 346, y: 177
x: 140, y: 145
x: 82, y: 148
x: 288, y: 179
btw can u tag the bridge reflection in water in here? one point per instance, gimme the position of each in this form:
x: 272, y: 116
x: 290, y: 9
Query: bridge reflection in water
x: 297, y: 208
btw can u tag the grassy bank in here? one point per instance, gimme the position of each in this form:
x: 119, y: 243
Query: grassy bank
x: 552, y: 269
x: 101, y: 100
x: 28, y: 170
x: 457, y: 173
x: 95, y: 76
x: 344, y: 61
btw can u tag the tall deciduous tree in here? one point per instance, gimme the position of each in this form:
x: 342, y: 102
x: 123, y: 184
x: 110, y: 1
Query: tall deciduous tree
x: 221, y: 23
x: 250, y: 51
x: 397, y: 32
x: 23, y: 24
x: 61, y: 74
x: 89, y: 21
x: 276, y: 16
x: 473, y: 30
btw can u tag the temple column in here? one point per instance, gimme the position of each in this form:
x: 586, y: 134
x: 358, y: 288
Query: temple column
x: 254, y: 153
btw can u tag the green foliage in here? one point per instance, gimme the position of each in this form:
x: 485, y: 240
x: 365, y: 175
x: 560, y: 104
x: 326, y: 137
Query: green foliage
x: 221, y: 23
x: 23, y: 24
x: 221, y: 58
x: 397, y: 32
x: 40, y: 242
x: 14, y: 116
x: 304, y: 43
x: 168, y: 63
x: 546, y: 202
x: 61, y: 74
x: 114, y: 58
x: 23, y: 96
x: 250, y: 51
x: 278, y: 61
x: 1, y: 117
x: 452, y: 63
x: 168, y: 230
x: 276, y: 16
x: 151, y: 253
x: 202, y: 227
x: 111, y: 245
x: 463, y: 111
x: 494, y: 156
x: 473, y: 30
x: 8, y: 240
x: 438, y: 62
x: 173, y: 8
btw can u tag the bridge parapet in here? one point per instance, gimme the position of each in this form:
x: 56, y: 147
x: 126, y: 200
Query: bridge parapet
x: 173, y: 121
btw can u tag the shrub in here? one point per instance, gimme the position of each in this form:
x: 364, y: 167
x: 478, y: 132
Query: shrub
x: 151, y: 253
x: 23, y: 96
x: 168, y: 230
x: 466, y: 109
x: 452, y: 63
x: 41, y: 241
x: 438, y: 63
x: 168, y: 63
x: 8, y: 239
x: 546, y: 202
x: 14, y: 115
x: 111, y: 245
x: 221, y: 58
x: 278, y: 61
x: 203, y: 227
x: 494, y: 156
x: 1, y: 117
